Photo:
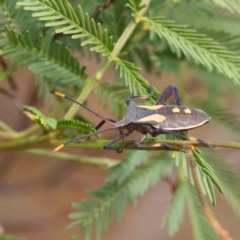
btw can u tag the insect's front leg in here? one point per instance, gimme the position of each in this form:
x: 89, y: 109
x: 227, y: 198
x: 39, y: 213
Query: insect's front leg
x: 140, y: 96
x: 166, y: 94
x: 103, y: 122
x: 107, y: 146
x: 138, y: 144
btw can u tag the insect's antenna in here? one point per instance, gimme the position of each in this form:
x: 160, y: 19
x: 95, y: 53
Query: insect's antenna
x: 81, y: 137
x: 78, y: 103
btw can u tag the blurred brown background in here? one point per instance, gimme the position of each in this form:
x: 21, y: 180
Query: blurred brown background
x: 36, y: 192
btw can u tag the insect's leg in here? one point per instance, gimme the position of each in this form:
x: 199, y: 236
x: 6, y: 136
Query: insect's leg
x: 107, y: 146
x: 158, y: 131
x: 140, y: 139
x: 121, y: 132
x: 140, y: 96
x: 166, y: 94
x: 103, y: 122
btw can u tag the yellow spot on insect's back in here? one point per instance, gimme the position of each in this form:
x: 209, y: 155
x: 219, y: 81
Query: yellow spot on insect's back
x: 154, y: 117
x: 187, y: 110
x: 176, y: 110
x: 154, y: 107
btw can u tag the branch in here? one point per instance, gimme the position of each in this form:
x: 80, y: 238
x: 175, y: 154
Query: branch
x: 88, y: 87
x: 100, y: 8
x: 219, y: 230
x: 96, y: 161
x: 10, y: 78
x: 46, y: 141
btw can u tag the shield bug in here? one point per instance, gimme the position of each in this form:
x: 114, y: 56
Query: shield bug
x: 155, y: 120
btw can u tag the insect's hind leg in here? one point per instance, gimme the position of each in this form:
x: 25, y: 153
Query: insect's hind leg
x: 158, y: 131
x: 166, y: 94
x: 140, y: 139
x: 107, y: 146
x: 140, y: 96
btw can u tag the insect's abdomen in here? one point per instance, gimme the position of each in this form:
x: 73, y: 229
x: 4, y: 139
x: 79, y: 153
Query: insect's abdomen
x: 182, y: 118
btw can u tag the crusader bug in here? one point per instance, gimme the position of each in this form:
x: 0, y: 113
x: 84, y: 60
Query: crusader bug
x: 155, y: 120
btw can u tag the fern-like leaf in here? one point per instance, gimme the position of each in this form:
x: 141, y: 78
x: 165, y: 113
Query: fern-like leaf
x: 198, y: 15
x: 201, y: 227
x: 112, y: 197
x: 205, y: 173
x: 132, y: 79
x: 197, y: 47
x: 221, y: 114
x: 52, y: 62
x: 36, y: 116
x: 8, y: 237
x: 229, y: 178
x: 61, y: 15
x: 231, y: 5
x: 74, y: 124
x: 115, y: 95
x: 127, y: 165
x: 15, y: 19
x: 174, y: 214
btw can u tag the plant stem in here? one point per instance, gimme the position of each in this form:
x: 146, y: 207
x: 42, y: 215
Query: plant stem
x: 6, y: 128
x: 219, y: 230
x: 16, y: 135
x: 97, y: 161
x: 46, y: 141
x: 88, y: 87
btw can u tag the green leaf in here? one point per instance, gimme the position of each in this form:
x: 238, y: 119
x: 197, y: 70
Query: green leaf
x: 229, y: 178
x: 127, y: 165
x: 231, y: 5
x: 174, y: 213
x: 197, y: 47
x: 7, y: 237
x: 74, y: 124
x: 47, y: 60
x: 36, y: 116
x: 201, y: 227
x: 135, y: 81
x: 115, y: 95
x: 69, y: 21
x: 113, y: 196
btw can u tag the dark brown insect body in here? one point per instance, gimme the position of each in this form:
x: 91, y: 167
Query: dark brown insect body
x: 145, y: 119
x: 155, y: 120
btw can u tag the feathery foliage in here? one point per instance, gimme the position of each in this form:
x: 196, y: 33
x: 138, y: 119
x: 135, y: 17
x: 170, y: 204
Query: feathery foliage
x: 74, y: 124
x: 8, y: 237
x: 132, y: 79
x: 16, y: 19
x: 179, y: 37
x: 52, y: 62
x: 231, y: 5
x: 35, y: 115
x: 196, y: 47
x: 114, y: 94
x: 229, y: 178
x: 112, y: 197
x: 174, y: 214
x: 201, y: 227
x: 62, y: 16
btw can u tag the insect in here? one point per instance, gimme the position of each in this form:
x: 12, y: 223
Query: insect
x: 155, y: 120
